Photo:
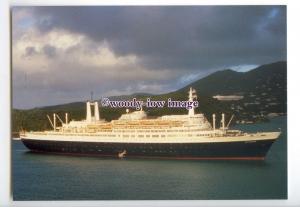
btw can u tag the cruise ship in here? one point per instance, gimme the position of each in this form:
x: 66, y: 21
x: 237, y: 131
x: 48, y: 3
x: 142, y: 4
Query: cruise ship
x: 188, y: 136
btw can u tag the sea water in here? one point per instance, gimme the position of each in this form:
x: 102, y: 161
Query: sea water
x: 57, y: 177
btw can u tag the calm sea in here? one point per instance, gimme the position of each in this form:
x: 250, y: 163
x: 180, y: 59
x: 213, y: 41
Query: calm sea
x: 57, y: 177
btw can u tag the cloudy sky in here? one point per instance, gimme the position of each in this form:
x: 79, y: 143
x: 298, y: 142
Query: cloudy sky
x: 61, y: 54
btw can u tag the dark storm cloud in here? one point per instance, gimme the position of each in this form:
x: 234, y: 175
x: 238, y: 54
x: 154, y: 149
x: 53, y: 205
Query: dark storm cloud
x: 198, y: 37
x: 29, y: 51
x: 126, y: 49
x: 49, y: 50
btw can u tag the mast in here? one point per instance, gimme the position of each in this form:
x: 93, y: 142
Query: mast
x: 214, y: 121
x: 223, y: 121
x: 54, y: 122
x: 96, y: 111
x: 192, y: 96
x: 66, y: 118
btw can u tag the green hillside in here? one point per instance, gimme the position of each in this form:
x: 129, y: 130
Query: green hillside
x: 264, y: 90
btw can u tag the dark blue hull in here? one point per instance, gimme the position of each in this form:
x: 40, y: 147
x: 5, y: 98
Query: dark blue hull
x: 214, y: 150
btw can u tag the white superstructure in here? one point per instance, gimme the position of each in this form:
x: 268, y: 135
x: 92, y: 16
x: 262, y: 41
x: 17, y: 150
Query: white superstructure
x: 135, y: 127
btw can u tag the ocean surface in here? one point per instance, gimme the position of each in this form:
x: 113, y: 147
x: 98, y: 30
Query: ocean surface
x: 57, y: 177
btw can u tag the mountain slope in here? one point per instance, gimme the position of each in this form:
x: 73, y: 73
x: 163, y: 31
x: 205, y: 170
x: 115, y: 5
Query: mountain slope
x: 264, y: 90
x: 231, y: 82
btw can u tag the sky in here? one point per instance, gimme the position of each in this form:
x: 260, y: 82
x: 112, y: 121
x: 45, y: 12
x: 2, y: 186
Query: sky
x: 61, y: 54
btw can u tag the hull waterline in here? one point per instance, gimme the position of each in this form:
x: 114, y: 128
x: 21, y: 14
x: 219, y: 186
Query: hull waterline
x: 211, y: 151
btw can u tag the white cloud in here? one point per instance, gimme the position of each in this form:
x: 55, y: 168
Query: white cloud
x: 243, y: 68
x: 59, y: 63
x: 76, y: 52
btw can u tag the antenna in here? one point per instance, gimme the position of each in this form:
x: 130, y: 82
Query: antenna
x: 91, y: 95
